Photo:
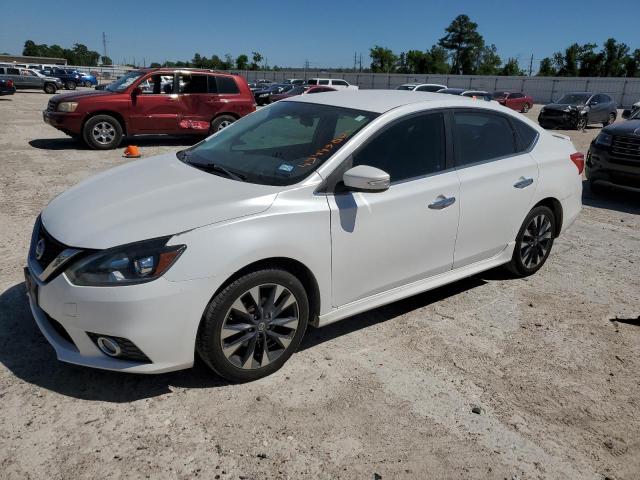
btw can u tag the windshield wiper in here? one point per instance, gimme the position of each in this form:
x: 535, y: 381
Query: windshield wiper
x: 183, y: 155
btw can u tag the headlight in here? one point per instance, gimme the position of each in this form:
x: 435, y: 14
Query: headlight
x: 263, y: 95
x: 604, y: 139
x: 126, y: 265
x: 67, y: 106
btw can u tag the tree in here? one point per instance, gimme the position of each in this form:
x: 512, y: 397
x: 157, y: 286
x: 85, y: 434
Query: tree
x: 155, y: 65
x: 511, y: 68
x: 546, y: 68
x: 257, y: 58
x: 382, y: 59
x: 242, y: 62
x: 590, y: 61
x: 228, y: 62
x: 402, y: 66
x: 488, y: 61
x: 614, y: 55
x: 437, y: 60
x: 463, y: 42
x: 416, y: 61
x: 632, y: 64
x: 108, y: 61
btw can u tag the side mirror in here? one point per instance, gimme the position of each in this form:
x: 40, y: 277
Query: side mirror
x: 366, y: 178
x: 626, y: 113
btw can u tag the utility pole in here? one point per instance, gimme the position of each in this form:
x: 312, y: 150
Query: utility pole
x: 355, y: 62
x: 360, y: 63
x: 531, y: 65
x: 104, y: 44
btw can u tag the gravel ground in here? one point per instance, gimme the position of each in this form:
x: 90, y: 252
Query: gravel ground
x: 386, y: 394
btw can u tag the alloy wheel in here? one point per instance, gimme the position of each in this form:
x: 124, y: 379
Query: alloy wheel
x: 536, y: 241
x: 581, y: 124
x: 103, y: 133
x: 259, y: 326
x: 224, y: 124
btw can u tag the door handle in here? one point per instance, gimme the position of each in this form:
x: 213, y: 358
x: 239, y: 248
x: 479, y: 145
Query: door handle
x: 523, y: 182
x: 442, y: 202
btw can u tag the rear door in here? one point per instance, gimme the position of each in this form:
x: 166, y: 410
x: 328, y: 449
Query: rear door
x: 598, y: 109
x: 30, y: 79
x: 156, y: 108
x: 498, y: 178
x: 199, y: 102
x: 14, y: 75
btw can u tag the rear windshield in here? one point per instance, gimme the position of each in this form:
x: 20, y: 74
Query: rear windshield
x: 278, y: 145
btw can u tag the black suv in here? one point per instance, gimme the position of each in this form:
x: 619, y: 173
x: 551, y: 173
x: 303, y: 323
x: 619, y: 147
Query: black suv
x: 577, y: 110
x: 614, y: 156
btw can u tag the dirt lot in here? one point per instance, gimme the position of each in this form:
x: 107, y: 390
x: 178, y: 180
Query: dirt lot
x: 386, y: 394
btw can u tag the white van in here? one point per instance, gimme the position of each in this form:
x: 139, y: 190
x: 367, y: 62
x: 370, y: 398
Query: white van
x: 336, y: 83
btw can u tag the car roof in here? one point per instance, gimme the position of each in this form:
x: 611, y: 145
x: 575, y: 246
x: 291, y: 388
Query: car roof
x: 380, y: 101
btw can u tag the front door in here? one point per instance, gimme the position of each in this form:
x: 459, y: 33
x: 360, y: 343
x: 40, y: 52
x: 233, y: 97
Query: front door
x: 387, y: 239
x: 497, y: 184
x: 156, y: 108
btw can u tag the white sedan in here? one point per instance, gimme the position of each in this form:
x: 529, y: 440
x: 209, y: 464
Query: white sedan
x: 304, y: 213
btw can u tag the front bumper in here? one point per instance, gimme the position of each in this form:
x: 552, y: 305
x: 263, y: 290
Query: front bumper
x: 67, y: 122
x: 160, y: 317
x: 565, y: 120
x: 601, y: 167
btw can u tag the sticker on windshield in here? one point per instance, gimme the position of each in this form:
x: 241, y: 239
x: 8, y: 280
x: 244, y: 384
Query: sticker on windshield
x: 285, y: 167
x: 359, y: 118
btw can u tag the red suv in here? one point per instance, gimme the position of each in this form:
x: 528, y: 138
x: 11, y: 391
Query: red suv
x: 152, y: 101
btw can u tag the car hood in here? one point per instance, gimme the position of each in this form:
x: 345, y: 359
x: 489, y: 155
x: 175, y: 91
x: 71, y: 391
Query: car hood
x: 630, y: 127
x: 76, y: 96
x: 146, y: 199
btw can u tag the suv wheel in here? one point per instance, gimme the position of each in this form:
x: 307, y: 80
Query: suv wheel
x: 70, y: 85
x: 253, y: 326
x: 50, y: 88
x: 611, y: 119
x: 534, y: 242
x: 221, y: 122
x: 581, y: 123
x: 525, y: 108
x: 102, y: 132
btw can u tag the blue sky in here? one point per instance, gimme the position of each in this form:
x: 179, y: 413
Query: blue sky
x: 326, y: 32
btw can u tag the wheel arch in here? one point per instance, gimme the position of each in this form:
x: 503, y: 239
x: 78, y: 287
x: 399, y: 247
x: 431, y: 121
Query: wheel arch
x: 556, y: 207
x: 296, y: 268
x: 111, y: 113
x: 231, y: 114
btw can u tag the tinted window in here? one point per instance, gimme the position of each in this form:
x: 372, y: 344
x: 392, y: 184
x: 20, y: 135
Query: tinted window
x: 1, y: 71
x: 429, y: 88
x: 193, y: 84
x: 213, y: 85
x: 323, y: 82
x: 227, y: 85
x: 516, y: 95
x: 313, y: 81
x: 340, y: 82
x: 409, y: 148
x: 482, y: 136
x: 13, y: 71
x: 526, y: 135
x: 606, y: 98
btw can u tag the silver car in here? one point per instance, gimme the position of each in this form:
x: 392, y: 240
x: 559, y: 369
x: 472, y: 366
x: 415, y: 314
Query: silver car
x: 25, y: 78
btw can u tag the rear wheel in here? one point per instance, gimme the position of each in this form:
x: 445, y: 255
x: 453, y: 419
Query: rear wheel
x: 102, y: 132
x: 253, y: 326
x: 534, y: 242
x: 70, y: 85
x: 50, y: 88
x: 221, y: 122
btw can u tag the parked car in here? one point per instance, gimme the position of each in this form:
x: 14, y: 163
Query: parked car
x: 178, y: 102
x: 70, y: 78
x: 263, y: 96
x: 614, y: 157
x: 467, y: 93
x: 336, y: 83
x: 25, y: 79
x: 294, y: 81
x: 515, y: 100
x: 6, y: 87
x: 629, y: 112
x: 289, y: 218
x: 577, y: 110
x: 422, y: 87
x: 300, y: 90
x: 87, y: 79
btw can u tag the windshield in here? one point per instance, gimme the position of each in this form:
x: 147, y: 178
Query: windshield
x: 575, y: 99
x: 124, y: 82
x: 635, y: 115
x: 452, y: 91
x: 500, y: 94
x: 278, y: 145
x: 406, y: 87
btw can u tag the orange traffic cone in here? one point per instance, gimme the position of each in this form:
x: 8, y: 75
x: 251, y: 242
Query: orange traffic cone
x: 132, y: 151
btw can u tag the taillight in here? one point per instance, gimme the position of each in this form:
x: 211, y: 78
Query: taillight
x: 578, y: 159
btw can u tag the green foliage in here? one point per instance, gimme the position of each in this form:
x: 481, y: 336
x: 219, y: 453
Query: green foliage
x: 257, y: 58
x: 382, y: 59
x: 488, y: 61
x: 511, y: 68
x: 106, y: 60
x: 242, y: 62
x: 78, y: 55
x: 464, y: 44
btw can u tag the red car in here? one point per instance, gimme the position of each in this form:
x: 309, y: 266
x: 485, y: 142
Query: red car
x: 516, y: 101
x: 301, y: 90
x: 152, y: 101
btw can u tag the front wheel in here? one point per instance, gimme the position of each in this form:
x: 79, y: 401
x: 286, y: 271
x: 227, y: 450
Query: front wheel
x: 533, y: 242
x: 253, y: 326
x: 70, y: 85
x: 581, y: 123
x: 50, y: 88
x: 525, y: 108
x: 610, y: 120
x: 102, y: 132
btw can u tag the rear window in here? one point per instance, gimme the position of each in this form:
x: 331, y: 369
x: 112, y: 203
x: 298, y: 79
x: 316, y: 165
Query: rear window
x: 526, y: 136
x: 227, y: 85
x: 323, y: 82
x: 482, y: 136
x: 193, y: 84
x: 313, y: 81
x: 340, y: 82
x: 13, y: 71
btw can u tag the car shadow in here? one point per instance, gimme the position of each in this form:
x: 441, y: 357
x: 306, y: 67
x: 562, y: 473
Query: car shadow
x: 141, y: 141
x: 611, y: 199
x: 26, y: 353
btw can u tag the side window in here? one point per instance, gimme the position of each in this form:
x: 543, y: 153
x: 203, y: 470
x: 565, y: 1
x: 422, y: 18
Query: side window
x: 13, y: 71
x: 515, y: 95
x: 482, y: 136
x: 157, y: 85
x: 227, y: 85
x: 526, y: 136
x: 212, y: 85
x: 323, y: 82
x: 606, y: 98
x: 409, y: 148
x: 1, y: 71
x: 192, y: 84
x: 312, y: 81
x: 340, y: 82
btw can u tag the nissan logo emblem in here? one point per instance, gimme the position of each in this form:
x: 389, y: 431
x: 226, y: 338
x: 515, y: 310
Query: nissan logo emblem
x: 40, y: 249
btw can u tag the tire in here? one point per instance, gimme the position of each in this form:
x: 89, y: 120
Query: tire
x: 86, y: 84
x: 610, y: 120
x: 525, y: 108
x: 581, y: 123
x: 102, y: 132
x: 221, y: 122
x: 69, y: 85
x: 50, y: 88
x: 238, y: 354
x: 531, y: 251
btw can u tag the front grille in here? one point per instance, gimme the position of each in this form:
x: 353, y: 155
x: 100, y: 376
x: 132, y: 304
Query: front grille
x: 554, y: 114
x: 129, y: 349
x: 625, y: 150
x: 51, y: 106
x: 52, y: 248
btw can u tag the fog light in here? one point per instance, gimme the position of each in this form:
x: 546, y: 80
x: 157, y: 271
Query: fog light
x: 109, y: 347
